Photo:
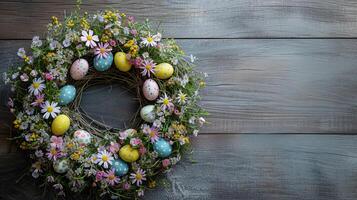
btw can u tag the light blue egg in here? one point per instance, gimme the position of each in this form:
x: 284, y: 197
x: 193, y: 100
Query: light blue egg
x: 67, y: 94
x: 120, y: 167
x: 102, y: 64
x: 163, y: 148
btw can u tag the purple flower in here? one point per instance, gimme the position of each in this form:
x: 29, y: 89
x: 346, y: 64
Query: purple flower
x: 102, y: 51
x: 153, y: 134
x: 99, y: 175
x: 148, y: 66
x: 39, y: 100
x: 114, y: 147
x: 111, y: 178
x: 135, y: 142
x: 138, y: 177
x: 56, y: 142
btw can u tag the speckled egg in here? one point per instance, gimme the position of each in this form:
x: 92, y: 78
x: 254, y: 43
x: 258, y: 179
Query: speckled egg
x: 164, y: 71
x: 150, y: 89
x: 67, y: 94
x: 61, y: 166
x: 82, y: 137
x: 102, y: 64
x: 120, y: 167
x: 163, y: 148
x: 79, y: 69
x: 147, y: 113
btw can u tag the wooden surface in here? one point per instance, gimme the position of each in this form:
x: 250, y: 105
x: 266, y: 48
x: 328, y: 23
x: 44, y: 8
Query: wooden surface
x: 274, y: 66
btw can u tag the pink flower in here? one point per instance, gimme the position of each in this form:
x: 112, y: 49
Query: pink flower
x: 177, y: 112
x: 48, y: 76
x: 111, y: 178
x: 131, y: 19
x: 148, y: 67
x: 24, y: 77
x: 166, y: 163
x: 114, y: 147
x: 126, y: 186
x: 99, y: 176
x: 56, y: 142
x: 54, y: 154
x: 153, y: 134
x: 113, y: 43
x: 137, y: 62
x: 138, y: 177
x: 134, y: 32
x: 39, y: 100
x: 102, y: 51
x: 142, y: 150
x: 135, y: 142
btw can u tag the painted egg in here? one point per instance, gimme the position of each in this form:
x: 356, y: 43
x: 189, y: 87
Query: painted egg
x: 120, y: 167
x: 150, y: 89
x: 79, y: 69
x: 60, y: 125
x: 102, y: 64
x: 147, y: 113
x: 164, y: 71
x: 128, y: 153
x: 61, y: 166
x: 82, y: 137
x: 67, y: 94
x: 121, y: 62
x: 163, y: 148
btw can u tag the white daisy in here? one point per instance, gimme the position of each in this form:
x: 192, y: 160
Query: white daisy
x: 50, y: 109
x: 166, y: 103
x: 150, y: 41
x: 104, y: 158
x: 89, y: 38
x: 37, y: 86
x: 181, y: 97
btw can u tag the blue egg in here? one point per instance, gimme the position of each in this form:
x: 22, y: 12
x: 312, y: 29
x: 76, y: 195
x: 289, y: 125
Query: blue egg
x: 163, y: 148
x: 67, y: 94
x: 102, y: 64
x: 120, y: 167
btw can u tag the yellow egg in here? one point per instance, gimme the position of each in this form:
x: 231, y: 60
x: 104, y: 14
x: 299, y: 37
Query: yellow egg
x: 164, y: 71
x: 121, y: 62
x: 128, y: 154
x: 60, y: 125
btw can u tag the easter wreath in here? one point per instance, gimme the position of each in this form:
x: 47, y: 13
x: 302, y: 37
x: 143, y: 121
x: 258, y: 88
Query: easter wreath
x: 73, y: 152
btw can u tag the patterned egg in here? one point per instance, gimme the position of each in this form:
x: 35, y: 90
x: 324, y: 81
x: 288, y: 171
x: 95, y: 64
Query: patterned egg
x: 60, y: 125
x: 164, y: 71
x: 163, y: 148
x: 121, y: 62
x: 61, y: 166
x: 79, y: 69
x: 147, y: 113
x: 150, y: 89
x: 128, y: 153
x: 102, y: 64
x: 82, y: 137
x: 120, y: 167
x: 67, y: 94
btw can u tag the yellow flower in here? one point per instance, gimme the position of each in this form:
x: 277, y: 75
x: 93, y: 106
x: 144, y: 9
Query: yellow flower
x: 152, y: 184
x: 134, y: 50
x: 54, y: 20
x: 84, y: 23
x: 202, y: 84
x: 70, y: 23
x: 24, y: 145
x: 70, y: 145
x: 110, y: 16
x: 75, y: 156
x: 122, y: 14
x: 129, y: 43
x: 105, y: 38
x: 17, y: 123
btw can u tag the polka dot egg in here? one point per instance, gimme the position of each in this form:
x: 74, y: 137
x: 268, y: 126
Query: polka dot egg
x: 102, y: 64
x: 82, y: 137
x: 163, y: 148
x: 67, y: 94
x: 120, y: 167
x: 79, y: 69
x: 150, y: 89
x: 61, y: 166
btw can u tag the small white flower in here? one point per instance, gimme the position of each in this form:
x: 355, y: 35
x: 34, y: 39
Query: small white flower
x: 37, y: 86
x: 24, y: 77
x: 157, y: 37
x: 201, y: 121
x: 192, y: 58
x: 14, y: 75
x: 195, y: 133
x: 192, y: 120
x: 181, y: 98
x: 146, y: 55
x: 21, y: 52
x: 50, y: 109
x: 89, y: 38
x: 166, y: 102
x: 66, y: 43
x: 36, y: 42
x: 33, y: 73
x: 104, y: 158
x: 149, y: 41
x: 53, y: 44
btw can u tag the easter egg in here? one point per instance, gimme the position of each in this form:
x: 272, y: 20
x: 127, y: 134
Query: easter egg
x: 120, y: 167
x: 82, y: 137
x: 150, y: 89
x: 67, y: 94
x: 102, y: 64
x: 147, y: 113
x: 128, y: 153
x: 164, y: 71
x: 121, y: 62
x: 60, y: 125
x: 79, y: 69
x: 61, y: 166
x: 163, y: 148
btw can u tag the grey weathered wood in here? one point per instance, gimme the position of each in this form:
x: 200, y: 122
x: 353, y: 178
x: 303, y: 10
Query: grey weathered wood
x: 264, y: 86
x: 309, y: 167
x: 200, y: 18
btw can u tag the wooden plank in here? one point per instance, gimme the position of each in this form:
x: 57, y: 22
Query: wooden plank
x: 309, y: 167
x: 200, y: 18
x: 268, y: 86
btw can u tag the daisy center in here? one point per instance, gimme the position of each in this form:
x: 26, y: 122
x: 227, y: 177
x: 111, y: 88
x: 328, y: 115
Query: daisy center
x: 152, y: 134
x: 166, y: 101
x: 49, y: 109
x: 102, y: 50
x: 89, y: 37
x: 148, y: 67
x: 138, y: 176
x: 105, y: 158
x: 53, y: 151
x: 150, y: 39
x: 36, y: 85
x: 111, y: 177
x: 183, y: 97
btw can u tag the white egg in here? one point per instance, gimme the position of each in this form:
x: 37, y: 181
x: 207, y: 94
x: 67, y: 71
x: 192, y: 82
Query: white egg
x: 82, y: 137
x: 150, y: 89
x: 79, y: 69
x: 147, y: 113
x: 61, y: 166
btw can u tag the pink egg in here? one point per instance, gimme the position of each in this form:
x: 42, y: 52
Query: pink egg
x: 79, y: 69
x: 150, y: 90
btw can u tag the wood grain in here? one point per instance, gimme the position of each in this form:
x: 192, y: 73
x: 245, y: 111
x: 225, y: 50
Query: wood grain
x: 21, y: 19
x: 309, y: 167
x: 265, y: 86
